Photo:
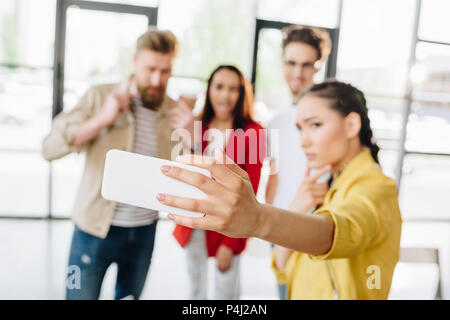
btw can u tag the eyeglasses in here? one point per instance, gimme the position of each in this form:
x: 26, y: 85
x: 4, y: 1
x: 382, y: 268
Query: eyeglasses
x: 308, y: 66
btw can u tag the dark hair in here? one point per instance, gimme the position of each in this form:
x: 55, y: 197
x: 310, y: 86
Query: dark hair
x: 317, y: 38
x: 346, y: 99
x: 243, y: 110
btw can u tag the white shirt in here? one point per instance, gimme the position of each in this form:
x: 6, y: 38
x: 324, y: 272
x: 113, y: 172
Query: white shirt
x: 145, y: 143
x: 290, y: 160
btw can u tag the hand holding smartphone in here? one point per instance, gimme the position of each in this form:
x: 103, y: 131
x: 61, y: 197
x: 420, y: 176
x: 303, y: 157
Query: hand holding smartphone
x: 135, y: 179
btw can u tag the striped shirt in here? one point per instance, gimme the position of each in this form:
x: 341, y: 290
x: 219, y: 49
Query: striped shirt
x: 145, y: 143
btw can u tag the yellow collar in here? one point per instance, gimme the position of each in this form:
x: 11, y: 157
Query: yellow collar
x: 351, y: 169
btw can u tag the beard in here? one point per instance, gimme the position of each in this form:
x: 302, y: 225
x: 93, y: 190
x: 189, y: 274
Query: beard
x: 150, y: 100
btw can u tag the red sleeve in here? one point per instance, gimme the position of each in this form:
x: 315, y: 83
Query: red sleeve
x: 260, y: 149
x: 235, y: 244
x: 254, y: 173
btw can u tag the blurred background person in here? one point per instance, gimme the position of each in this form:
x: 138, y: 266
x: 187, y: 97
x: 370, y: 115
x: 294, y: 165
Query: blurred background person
x: 305, y: 50
x: 131, y: 116
x: 227, y: 123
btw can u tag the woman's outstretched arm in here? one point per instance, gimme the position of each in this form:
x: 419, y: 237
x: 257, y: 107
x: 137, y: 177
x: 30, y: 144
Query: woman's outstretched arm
x: 231, y: 208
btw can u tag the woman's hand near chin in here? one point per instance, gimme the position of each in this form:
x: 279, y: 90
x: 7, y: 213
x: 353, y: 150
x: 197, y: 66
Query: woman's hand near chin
x: 310, y: 193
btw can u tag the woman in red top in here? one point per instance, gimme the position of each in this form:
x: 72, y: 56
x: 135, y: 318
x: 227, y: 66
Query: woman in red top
x: 226, y: 124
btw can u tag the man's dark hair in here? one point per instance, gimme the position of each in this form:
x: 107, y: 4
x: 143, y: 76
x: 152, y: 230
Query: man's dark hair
x: 317, y: 38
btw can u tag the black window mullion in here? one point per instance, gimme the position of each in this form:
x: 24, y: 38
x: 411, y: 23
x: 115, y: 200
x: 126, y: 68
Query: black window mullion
x: 60, y: 47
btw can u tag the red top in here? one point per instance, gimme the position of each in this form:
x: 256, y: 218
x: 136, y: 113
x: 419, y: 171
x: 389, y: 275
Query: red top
x: 248, y: 156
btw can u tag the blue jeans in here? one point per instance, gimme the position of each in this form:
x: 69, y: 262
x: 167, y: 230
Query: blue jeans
x: 282, y: 288
x: 130, y: 248
x: 282, y: 291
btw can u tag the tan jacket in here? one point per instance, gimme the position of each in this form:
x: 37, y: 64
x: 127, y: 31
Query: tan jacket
x: 92, y: 213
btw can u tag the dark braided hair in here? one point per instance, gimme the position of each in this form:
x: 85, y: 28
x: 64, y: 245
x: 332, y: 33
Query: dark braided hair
x: 346, y: 99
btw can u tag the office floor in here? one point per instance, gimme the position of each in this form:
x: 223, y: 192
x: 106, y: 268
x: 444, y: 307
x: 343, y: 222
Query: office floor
x: 34, y: 253
x: 34, y: 256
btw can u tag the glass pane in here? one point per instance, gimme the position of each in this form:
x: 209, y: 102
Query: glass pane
x: 385, y: 119
x: 25, y: 114
x: 434, y: 22
x: 374, y: 47
x: 99, y: 49
x: 424, y: 188
x: 429, y: 128
x: 25, y: 108
x: 271, y: 91
x: 211, y: 32
x: 23, y: 184
x: 25, y: 37
x: 431, y: 74
x: 316, y: 13
x: 388, y: 162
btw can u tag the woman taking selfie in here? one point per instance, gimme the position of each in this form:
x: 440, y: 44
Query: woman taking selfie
x: 349, y: 247
x: 226, y: 124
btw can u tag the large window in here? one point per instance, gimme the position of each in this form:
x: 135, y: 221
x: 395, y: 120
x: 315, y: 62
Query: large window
x: 98, y: 48
x: 211, y: 32
x: 426, y: 172
x: 26, y: 43
x: 271, y: 91
x: 434, y: 24
x: 322, y: 13
x: 374, y: 55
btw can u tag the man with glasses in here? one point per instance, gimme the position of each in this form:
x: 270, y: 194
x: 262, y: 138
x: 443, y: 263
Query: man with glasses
x: 305, y: 49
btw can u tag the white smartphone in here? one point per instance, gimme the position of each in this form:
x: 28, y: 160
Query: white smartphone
x: 135, y: 179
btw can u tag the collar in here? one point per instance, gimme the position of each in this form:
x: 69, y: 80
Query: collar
x: 351, y: 169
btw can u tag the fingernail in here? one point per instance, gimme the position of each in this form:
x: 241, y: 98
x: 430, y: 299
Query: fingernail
x: 165, y: 168
x: 160, y: 197
x: 170, y: 216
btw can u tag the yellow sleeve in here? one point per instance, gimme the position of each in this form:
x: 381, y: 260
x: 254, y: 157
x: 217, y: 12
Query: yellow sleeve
x: 361, y: 220
x: 280, y: 275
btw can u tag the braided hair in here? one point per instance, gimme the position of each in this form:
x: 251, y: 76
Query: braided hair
x: 346, y: 99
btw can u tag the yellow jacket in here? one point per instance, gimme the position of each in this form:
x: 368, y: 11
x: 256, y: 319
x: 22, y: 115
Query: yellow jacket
x: 363, y: 204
